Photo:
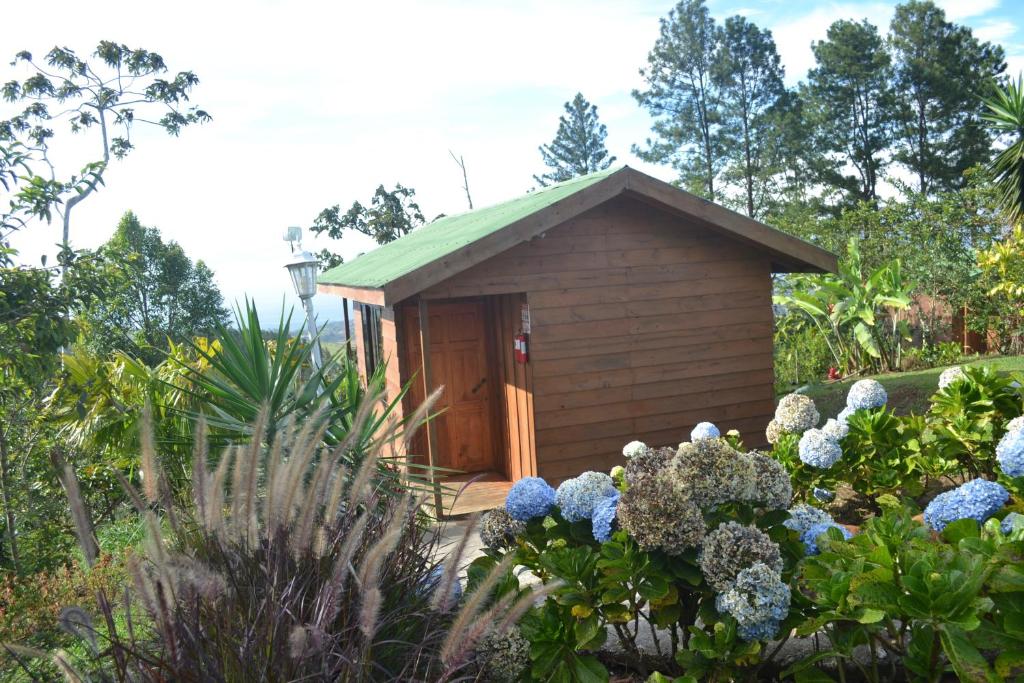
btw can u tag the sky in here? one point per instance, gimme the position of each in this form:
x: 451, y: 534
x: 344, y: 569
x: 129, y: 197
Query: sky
x: 317, y: 103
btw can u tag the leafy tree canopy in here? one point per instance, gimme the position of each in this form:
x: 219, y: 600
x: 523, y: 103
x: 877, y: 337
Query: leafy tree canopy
x: 105, y: 96
x: 390, y: 215
x: 154, y: 293
x: 578, y: 147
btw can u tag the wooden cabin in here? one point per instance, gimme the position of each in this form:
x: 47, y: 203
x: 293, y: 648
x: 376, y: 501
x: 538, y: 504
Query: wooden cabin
x: 572, y: 320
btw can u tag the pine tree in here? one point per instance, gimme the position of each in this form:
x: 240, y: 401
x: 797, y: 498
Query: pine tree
x: 941, y: 73
x: 850, y: 92
x: 684, y: 99
x: 578, y: 147
x: 749, y: 77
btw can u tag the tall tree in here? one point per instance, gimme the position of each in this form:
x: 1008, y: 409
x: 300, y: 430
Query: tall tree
x: 389, y: 216
x: 941, y: 73
x: 578, y: 147
x: 106, y: 96
x: 850, y: 91
x: 749, y: 76
x: 155, y: 293
x: 684, y: 99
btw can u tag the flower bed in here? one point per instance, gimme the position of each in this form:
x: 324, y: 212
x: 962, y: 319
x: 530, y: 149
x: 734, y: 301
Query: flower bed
x: 724, y: 553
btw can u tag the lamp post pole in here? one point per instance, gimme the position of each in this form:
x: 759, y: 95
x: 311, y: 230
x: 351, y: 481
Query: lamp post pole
x: 302, y: 268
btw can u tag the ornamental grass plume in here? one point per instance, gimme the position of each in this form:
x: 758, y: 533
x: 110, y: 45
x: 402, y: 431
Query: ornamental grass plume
x: 658, y: 514
x: 711, y: 472
x: 733, y: 547
x: 289, y: 565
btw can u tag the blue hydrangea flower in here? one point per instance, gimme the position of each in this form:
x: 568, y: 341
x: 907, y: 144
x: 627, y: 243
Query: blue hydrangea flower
x: 824, y: 495
x: 818, y: 450
x: 704, y: 430
x: 802, y: 517
x: 978, y: 499
x: 1010, y: 453
x: 763, y: 630
x: 845, y: 414
x: 577, y: 497
x: 758, y: 600
x: 431, y: 583
x: 604, y: 516
x: 810, y: 537
x: 836, y: 430
x: 866, y: 394
x: 528, y: 498
x: 1011, y: 523
x: 1015, y: 424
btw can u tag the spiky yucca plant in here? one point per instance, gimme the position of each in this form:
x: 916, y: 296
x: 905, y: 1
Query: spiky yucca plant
x: 288, y: 566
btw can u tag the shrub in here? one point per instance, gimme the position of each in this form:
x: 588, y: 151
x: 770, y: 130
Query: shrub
x: 288, y: 565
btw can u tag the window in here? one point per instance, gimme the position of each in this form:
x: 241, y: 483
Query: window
x: 372, y: 345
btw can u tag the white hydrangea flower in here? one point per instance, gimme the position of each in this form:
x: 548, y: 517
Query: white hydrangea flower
x: 634, y: 448
x: 834, y: 429
x: 950, y: 375
x: 1015, y: 424
x: 796, y: 413
x: 866, y: 394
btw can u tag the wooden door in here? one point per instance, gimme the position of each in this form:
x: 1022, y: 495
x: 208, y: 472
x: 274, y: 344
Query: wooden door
x: 458, y: 360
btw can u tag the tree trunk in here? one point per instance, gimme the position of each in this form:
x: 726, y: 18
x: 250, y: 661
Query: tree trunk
x: 5, y: 495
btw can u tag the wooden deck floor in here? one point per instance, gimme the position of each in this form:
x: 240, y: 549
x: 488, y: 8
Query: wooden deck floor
x: 479, y: 492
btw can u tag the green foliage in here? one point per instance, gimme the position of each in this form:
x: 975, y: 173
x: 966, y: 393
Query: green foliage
x: 1005, y: 115
x: 931, y: 355
x: 153, y: 295
x: 105, y: 97
x: 941, y: 72
x: 853, y: 311
x: 929, y: 603
x: 578, y: 147
x: 801, y: 354
x: 389, y: 216
x: 283, y: 564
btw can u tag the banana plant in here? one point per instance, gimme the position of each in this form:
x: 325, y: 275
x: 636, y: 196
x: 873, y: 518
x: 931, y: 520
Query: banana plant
x: 855, y: 311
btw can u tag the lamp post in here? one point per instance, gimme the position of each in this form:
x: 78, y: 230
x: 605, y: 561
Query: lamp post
x: 302, y: 268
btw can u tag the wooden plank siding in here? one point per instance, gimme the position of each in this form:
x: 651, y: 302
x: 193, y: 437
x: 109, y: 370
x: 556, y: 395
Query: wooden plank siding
x: 515, y: 388
x: 642, y: 326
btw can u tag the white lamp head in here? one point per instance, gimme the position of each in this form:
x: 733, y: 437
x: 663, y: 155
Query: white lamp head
x: 303, y: 269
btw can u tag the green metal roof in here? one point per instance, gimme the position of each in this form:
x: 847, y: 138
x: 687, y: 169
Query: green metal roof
x: 434, y: 241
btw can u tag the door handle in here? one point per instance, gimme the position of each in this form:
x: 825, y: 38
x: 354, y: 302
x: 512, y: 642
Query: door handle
x: 478, y: 385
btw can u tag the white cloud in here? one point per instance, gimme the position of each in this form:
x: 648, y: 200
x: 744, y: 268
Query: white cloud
x: 995, y: 30
x: 958, y: 10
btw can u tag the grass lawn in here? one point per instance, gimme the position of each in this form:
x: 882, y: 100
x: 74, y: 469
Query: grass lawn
x: 908, y: 391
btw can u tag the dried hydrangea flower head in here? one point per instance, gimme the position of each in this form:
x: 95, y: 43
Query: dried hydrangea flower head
x: 651, y: 461
x: 704, y: 430
x: 954, y: 373
x: 659, y: 515
x: 1010, y: 453
x: 758, y: 600
x: 819, y: 450
x: 796, y: 413
x: 978, y: 499
x: 503, y: 657
x: 834, y: 429
x: 866, y: 394
x: 803, y: 516
x: 577, y: 497
x: 528, y: 498
x: 634, y: 449
x: 498, y: 531
x: 773, y: 431
x: 733, y: 547
x: 712, y: 472
x: 810, y: 537
x: 772, y: 486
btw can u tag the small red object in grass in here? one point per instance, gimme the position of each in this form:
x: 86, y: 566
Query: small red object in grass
x: 833, y: 373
